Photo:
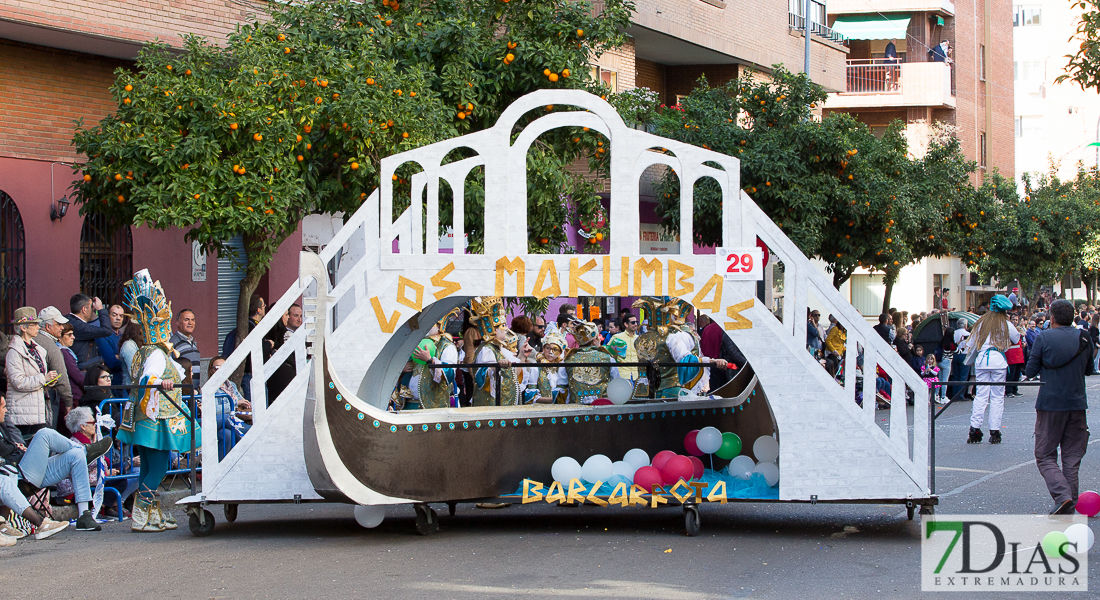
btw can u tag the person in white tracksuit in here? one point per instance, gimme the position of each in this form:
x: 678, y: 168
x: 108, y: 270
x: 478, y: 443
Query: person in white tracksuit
x: 992, y: 336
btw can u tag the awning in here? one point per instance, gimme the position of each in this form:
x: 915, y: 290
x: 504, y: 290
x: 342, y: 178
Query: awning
x: 872, y: 27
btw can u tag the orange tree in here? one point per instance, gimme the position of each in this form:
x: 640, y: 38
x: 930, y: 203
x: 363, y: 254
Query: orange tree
x: 1084, y: 65
x: 293, y: 114
x: 840, y: 192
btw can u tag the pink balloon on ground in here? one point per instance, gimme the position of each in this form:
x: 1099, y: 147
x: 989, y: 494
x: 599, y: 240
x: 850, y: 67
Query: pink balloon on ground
x: 647, y: 477
x: 677, y: 468
x: 661, y: 458
x: 698, y: 464
x: 1088, y: 503
x: 690, y: 445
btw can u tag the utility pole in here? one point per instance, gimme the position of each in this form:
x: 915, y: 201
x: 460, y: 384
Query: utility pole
x: 806, y: 30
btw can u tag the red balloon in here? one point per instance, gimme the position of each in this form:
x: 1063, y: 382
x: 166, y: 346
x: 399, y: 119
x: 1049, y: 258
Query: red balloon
x: 698, y: 464
x: 677, y: 468
x: 661, y: 458
x: 647, y: 477
x: 1088, y: 503
x: 602, y: 402
x: 690, y: 445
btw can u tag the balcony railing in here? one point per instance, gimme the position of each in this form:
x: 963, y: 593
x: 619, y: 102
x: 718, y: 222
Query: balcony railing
x: 874, y: 76
x: 797, y: 22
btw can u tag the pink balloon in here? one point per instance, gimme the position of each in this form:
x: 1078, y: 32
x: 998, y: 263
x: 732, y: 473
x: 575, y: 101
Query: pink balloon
x: 677, y: 468
x: 698, y: 464
x: 689, y: 443
x: 602, y: 402
x: 647, y: 477
x: 1088, y: 503
x: 661, y: 458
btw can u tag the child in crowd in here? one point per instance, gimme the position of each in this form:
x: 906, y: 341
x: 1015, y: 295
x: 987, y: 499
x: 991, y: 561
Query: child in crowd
x: 931, y: 372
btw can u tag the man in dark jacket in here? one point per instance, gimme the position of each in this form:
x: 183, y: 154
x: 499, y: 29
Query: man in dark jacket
x: 1060, y: 408
x: 882, y: 328
x: 86, y: 329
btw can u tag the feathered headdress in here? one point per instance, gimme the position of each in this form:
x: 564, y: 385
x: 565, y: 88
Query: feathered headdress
x: 663, y: 312
x: 583, y: 331
x: 441, y: 325
x: 149, y: 308
x: 487, y: 312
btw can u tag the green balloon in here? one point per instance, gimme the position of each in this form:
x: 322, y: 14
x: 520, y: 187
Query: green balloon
x: 731, y: 446
x: 1053, y: 543
x: 425, y: 344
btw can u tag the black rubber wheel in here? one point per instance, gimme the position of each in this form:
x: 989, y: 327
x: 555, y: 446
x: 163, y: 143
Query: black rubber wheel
x: 691, y: 520
x: 198, y: 529
x: 230, y: 512
x: 451, y: 508
x: 427, y: 522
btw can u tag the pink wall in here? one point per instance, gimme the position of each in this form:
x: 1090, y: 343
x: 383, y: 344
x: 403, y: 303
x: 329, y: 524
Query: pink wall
x: 53, y: 251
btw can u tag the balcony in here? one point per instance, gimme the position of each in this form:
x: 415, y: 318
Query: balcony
x: 798, y: 23
x: 855, y: 7
x: 874, y: 83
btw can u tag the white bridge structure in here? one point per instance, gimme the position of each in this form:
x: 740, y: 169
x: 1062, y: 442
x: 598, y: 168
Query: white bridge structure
x: 376, y: 309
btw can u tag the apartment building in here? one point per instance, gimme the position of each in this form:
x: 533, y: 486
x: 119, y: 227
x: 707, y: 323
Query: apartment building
x: 1055, y: 123
x: 57, y: 61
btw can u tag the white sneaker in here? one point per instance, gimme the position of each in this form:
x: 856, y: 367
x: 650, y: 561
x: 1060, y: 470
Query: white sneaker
x: 6, y: 540
x: 48, y: 528
x: 10, y: 530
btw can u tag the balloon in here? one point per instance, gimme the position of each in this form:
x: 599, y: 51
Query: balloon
x: 731, y: 446
x: 425, y: 344
x: 769, y: 471
x: 637, y: 458
x: 741, y: 467
x: 690, y: 445
x: 661, y: 458
x: 709, y: 439
x: 677, y: 468
x: 1088, y: 503
x: 765, y: 449
x: 623, y: 468
x: 619, y: 391
x: 597, y: 468
x: 1079, y: 534
x: 369, y: 516
x: 1052, y: 544
x: 647, y: 477
x: 565, y: 468
x: 698, y: 464
x: 602, y: 402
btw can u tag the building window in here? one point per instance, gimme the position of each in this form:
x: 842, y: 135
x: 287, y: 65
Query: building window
x: 106, y: 258
x: 1026, y: 15
x: 1027, y: 70
x: 981, y: 150
x: 817, y: 10
x: 1029, y: 127
x: 607, y: 77
x: 13, y: 260
x: 981, y: 62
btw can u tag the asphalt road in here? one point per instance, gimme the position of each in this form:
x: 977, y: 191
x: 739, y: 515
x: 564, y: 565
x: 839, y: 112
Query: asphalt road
x: 535, y: 551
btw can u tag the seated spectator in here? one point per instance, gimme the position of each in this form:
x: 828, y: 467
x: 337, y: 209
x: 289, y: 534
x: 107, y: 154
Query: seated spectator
x: 76, y: 377
x: 97, y: 375
x: 44, y: 462
x: 234, y: 412
x: 81, y: 422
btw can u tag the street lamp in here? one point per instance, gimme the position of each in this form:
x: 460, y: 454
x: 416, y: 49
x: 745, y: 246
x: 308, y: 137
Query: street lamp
x: 59, y: 209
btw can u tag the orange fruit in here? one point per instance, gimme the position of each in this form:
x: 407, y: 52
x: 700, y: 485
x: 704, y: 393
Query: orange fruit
x: 126, y: 101
x: 286, y: 50
x: 87, y: 178
x: 335, y: 96
x: 233, y: 126
x: 461, y: 115
x: 509, y: 57
x: 300, y: 158
x: 394, y: 178
x: 413, y: 94
x: 169, y: 67
x: 118, y: 176
x: 389, y: 21
x: 257, y: 137
x: 122, y: 198
x: 354, y: 166
x: 599, y: 237
x: 549, y: 107
x: 576, y: 140
x: 241, y: 171
x: 323, y: 83
x: 309, y: 146
x: 185, y: 165
x: 196, y: 196
x: 544, y: 240
x: 370, y: 81
x: 553, y: 77
x: 398, y: 92
x: 281, y: 37
x: 580, y: 33
x: 546, y: 72
x: 318, y: 100
x: 405, y: 135
x: 187, y: 72
x: 298, y: 138
x: 565, y: 73
x: 129, y: 88
x: 307, y: 128
x: 250, y: 209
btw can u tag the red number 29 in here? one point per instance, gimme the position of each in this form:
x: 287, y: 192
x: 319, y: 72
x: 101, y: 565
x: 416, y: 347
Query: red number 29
x: 739, y: 263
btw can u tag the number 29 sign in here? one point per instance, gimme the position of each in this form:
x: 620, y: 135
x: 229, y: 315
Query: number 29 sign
x: 740, y: 264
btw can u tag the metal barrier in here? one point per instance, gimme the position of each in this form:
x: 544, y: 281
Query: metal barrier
x: 874, y: 76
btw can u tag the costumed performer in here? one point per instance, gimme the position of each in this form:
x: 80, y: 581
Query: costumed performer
x: 499, y: 345
x: 622, y: 344
x: 152, y: 421
x: 670, y: 340
x: 553, y: 383
x: 587, y: 383
x: 985, y: 349
x: 434, y: 388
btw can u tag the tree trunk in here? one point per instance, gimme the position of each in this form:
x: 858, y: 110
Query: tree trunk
x: 890, y: 277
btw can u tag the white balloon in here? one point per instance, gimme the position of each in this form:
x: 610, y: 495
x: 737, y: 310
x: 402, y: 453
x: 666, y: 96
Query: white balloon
x: 565, y: 469
x: 623, y: 468
x: 741, y: 467
x: 619, y: 391
x: 709, y: 440
x: 369, y: 516
x: 637, y: 458
x: 597, y: 468
x: 769, y: 471
x: 765, y: 449
x: 1082, y: 535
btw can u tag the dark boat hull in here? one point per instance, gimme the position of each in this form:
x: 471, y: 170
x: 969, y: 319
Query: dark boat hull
x: 471, y: 453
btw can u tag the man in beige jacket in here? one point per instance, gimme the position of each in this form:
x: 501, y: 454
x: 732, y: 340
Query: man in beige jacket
x: 60, y: 395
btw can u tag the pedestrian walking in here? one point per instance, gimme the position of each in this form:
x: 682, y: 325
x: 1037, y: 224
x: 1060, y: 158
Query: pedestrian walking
x: 985, y: 349
x: 1060, y: 357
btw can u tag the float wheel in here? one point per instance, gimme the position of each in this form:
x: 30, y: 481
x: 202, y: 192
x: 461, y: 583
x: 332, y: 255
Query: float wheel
x: 427, y: 522
x: 201, y: 528
x: 230, y: 511
x: 691, y: 520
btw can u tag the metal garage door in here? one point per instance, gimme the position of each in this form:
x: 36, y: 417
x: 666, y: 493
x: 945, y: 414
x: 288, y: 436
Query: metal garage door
x: 231, y: 271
